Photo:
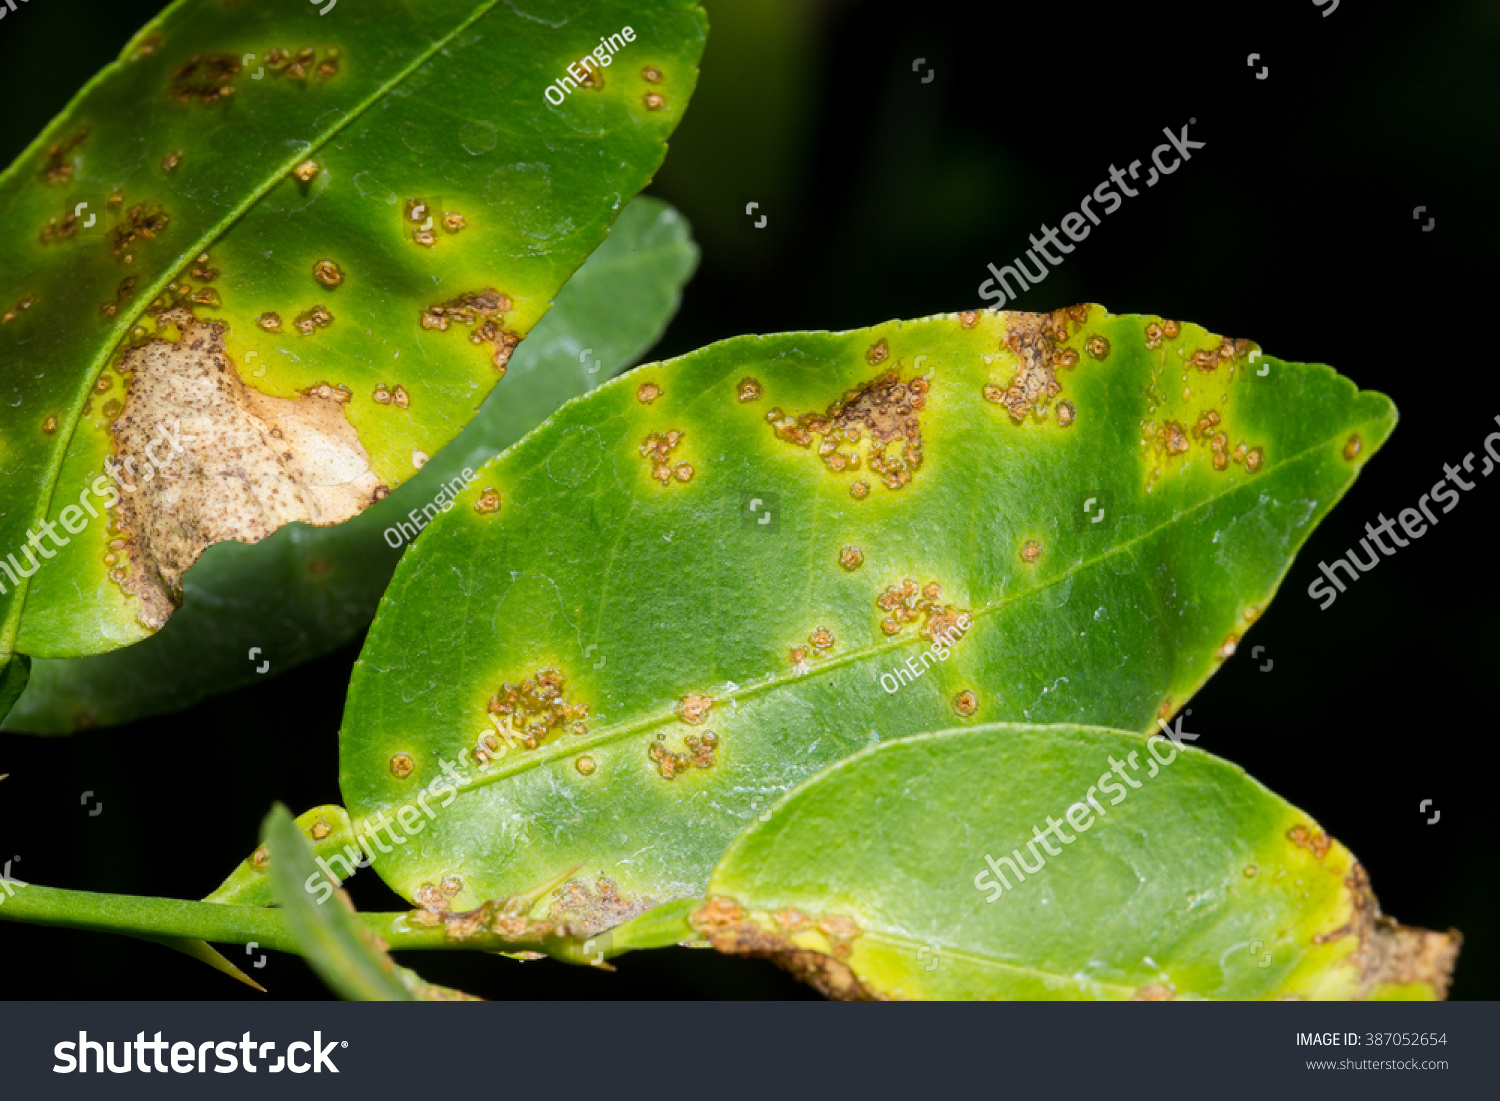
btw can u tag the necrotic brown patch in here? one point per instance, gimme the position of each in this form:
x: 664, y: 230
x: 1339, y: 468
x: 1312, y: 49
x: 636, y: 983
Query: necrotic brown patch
x: 591, y: 908
x: 484, y: 311
x: 203, y: 79
x: 698, y: 751
x: 1034, y: 339
x: 883, y: 414
x: 1389, y: 952
x: 657, y: 451
x: 57, y: 170
x: 138, y: 224
x: 908, y: 602
x: 731, y: 931
x: 526, y: 713
x: 211, y: 459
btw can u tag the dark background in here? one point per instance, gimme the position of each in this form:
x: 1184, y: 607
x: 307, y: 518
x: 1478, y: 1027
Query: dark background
x: 1293, y: 227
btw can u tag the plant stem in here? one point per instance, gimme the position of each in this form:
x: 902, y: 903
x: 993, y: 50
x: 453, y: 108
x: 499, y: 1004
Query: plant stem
x: 138, y: 915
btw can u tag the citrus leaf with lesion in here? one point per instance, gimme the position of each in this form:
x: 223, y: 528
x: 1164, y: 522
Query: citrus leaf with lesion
x: 221, y: 252
x: 1029, y: 862
x: 306, y: 590
x: 714, y: 577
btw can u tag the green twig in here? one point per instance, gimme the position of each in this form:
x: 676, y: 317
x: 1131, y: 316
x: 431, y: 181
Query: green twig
x: 142, y: 916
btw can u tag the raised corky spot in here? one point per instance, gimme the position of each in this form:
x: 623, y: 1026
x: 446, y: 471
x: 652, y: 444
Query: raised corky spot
x: 484, y: 309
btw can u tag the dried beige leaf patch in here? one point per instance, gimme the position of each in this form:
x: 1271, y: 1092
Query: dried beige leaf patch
x: 244, y: 464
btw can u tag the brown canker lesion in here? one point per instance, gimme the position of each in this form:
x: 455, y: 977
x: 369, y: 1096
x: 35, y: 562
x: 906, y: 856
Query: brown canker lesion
x: 507, y: 919
x: 296, y: 66
x: 578, y: 910
x: 819, y: 961
x: 1229, y: 350
x: 906, y: 603
x: 694, y: 708
x: 526, y: 714
x: 202, y: 269
x: 1310, y: 838
x: 1037, y: 342
x: 1171, y: 439
x: 485, y: 312
x: 698, y: 751
x: 25, y: 303
x: 1387, y: 952
x: 877, y: 425
x: 140, y: 223
x: 204, y: 78
x: 385, y: 395
x: 58, y: 168
x: 312, y: 319
x: 123, y: 294
x: 657, y: 450
x: 425, y: 216
x: 591, y: 908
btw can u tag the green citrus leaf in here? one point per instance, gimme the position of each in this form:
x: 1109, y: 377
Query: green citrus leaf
x: 339, y: 947
x: 304, y: 591
x: 268, y: 261
x: 1035, y: 862
x: 712, y: 578
x: 327, y: 830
